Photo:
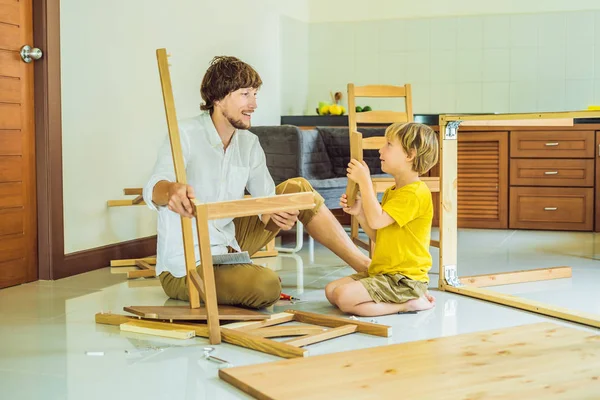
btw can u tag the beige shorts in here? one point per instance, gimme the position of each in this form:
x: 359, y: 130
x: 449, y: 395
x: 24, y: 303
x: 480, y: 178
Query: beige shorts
x: 394, y: 288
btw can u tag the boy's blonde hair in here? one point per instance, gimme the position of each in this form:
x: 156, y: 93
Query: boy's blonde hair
x: 420, y: 138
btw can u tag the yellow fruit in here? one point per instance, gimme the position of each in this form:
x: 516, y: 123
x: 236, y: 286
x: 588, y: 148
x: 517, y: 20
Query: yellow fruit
x: 323, y: 110
x: 335, y: 109
x: 343, y: 110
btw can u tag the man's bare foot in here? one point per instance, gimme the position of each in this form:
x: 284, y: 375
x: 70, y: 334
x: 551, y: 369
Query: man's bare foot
x: 420, y: 304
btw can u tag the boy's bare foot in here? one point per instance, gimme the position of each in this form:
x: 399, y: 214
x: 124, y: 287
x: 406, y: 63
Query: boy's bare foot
x: 420, y: 304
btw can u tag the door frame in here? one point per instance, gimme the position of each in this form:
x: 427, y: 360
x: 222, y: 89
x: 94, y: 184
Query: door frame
x: 53, y: 263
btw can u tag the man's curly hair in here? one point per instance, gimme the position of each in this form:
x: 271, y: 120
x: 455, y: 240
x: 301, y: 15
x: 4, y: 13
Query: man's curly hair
x: 225, y: 75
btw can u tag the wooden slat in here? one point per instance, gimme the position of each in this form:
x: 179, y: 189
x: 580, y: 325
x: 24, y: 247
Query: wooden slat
x: 10, y: 37
x: 11, y: 221
x: 195, y: 279
x: 142, y: 273
x: 522, y: 122
x: 508, y: 278
x: 516, y: 117
x: 249, y: 341
x: 360, y: 243
x: 356, y: 153
x: 227, y: 313
x: 10, y: 116
x: 273, y: 319
x: 143, y: 264
x: 448, y: 218
x: 528, y: 305
x: 158, y: 329
x: 381, y: 117
x: 11, y: 143
x: 132, y: 261
x: 259, y: 205
x: 434, y: 243
x: 10, y: 90
x: 374, y: 142
x: 283, y: 331
x: 334, y: 322
x: 124, y: 203
x: 322, y: 336
x: 118, y: 319
x: 11, y: 194
x: 132, y: 191
x: 12, y: 247
x: 379, y: 91
x: 10, y: 12
x: 10, y: 63
x: 535, y: 361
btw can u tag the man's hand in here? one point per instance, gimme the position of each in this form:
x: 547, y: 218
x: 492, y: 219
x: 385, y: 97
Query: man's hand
x: 356, y: 208
x: 285, y: 219
x: 181, y: 199
x: 359, y: 172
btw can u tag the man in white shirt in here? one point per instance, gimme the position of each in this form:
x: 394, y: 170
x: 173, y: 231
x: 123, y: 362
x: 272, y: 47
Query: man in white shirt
x: 222, y: 159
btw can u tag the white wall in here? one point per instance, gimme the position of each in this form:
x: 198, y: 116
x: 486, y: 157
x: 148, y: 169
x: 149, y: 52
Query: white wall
x: 113, y: 119
x: 488, y: 63
x: 361, y: 10
x: 294, y: 66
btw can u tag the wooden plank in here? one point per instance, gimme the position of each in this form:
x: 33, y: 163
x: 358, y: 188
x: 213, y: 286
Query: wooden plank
x: 538, y: 307
x: 508, y: 278
x: 118, y: 319
x: 133, y: 191
x: 259, y: 205
x: 533, y: 361
x: 360, y: 243
x: 124, y: 203
x: 226, y: 313
x: 265, y: 253
x: 208, y: 277
x: 283, y: 331
x: 409, y: 105
x: 448, y: 204
x: 374, y: 142
x: 142, y: 273
x: 143, y: 264
x: 158, y: 329
x: 178, y: 162
x: 434, y: 243
x: 273, y: 319
x: 322, y: 336
x: 334, y: 322
x: 11, y: 221
x: 10, y: 116
x: 379, y: 91
x: 249, y: 341
x: 195, y: 279
x: 10, y: 90
x: 381, y: 117
x: 356, y: 153
x: 132, y: 261
x: 11, y: 143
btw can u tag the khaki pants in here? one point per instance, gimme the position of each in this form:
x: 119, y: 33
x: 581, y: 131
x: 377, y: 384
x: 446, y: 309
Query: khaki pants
x: 247, y: 285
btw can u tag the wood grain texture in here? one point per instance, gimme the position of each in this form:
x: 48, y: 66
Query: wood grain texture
x: 334, y: 322
x: 227, y: 313
x: 322, y: 336
x: 259, y: 205
x: 158, y: 329
x: 531, y: 361
x: 509, y: 278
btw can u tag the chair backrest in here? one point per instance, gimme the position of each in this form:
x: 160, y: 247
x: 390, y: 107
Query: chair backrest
x: 383, y: 117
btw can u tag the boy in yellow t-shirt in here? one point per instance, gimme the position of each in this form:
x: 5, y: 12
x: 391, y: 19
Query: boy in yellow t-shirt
x: 397, y: 278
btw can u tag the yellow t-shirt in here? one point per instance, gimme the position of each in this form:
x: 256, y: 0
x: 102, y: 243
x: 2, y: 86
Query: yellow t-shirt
x: 403, y: 246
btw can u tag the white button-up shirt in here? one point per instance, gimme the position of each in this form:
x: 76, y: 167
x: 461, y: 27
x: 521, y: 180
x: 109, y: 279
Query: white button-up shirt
x: 216, y: 175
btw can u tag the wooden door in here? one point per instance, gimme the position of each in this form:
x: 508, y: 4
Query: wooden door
x: 482, y: 180
x: 18, y: 233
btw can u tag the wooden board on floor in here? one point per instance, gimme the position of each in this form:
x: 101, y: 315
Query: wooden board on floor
x: 508, y: 278
x: 534, y: 361
x: 185, y: 313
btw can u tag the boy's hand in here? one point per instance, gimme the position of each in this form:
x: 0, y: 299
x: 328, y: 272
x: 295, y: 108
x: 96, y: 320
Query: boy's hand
x: 359, y: 172
x: 356, y: 208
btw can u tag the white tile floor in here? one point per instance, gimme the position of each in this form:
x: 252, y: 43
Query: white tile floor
x: 46, y: 328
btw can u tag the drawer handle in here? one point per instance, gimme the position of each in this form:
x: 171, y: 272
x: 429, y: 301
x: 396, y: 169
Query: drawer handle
x: 552, y: 144
x: 550, y: 208
x: 551, y: 173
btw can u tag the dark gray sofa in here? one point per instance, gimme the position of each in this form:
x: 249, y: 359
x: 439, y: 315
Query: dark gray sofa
x: 320, y: 155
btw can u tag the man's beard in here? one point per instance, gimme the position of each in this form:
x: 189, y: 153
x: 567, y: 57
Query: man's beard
x: 237, y: 123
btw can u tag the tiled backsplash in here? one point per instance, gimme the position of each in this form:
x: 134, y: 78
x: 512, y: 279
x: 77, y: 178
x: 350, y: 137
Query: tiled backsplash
x: 501, y: 63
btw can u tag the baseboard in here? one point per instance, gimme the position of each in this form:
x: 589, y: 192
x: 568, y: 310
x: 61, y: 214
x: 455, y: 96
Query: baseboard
x: 99, y: 257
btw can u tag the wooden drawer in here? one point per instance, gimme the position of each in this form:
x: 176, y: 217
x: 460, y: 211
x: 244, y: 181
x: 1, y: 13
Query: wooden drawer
x: 552, y: 144
x: 552, y: 208
x: 552, y: 172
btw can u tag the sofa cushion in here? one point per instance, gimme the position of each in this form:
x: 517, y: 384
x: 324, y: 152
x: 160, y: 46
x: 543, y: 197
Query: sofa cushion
x: 331, y: 189
x: 315, y: 159
x: 337, y: 144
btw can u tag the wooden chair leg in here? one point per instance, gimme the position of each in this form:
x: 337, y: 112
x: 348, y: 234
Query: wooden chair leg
x: 208, y: 275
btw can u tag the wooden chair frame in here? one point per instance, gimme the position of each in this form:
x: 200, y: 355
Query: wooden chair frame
x: 308, y: 328
x: 358, y: 144
x: 448, y: 269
